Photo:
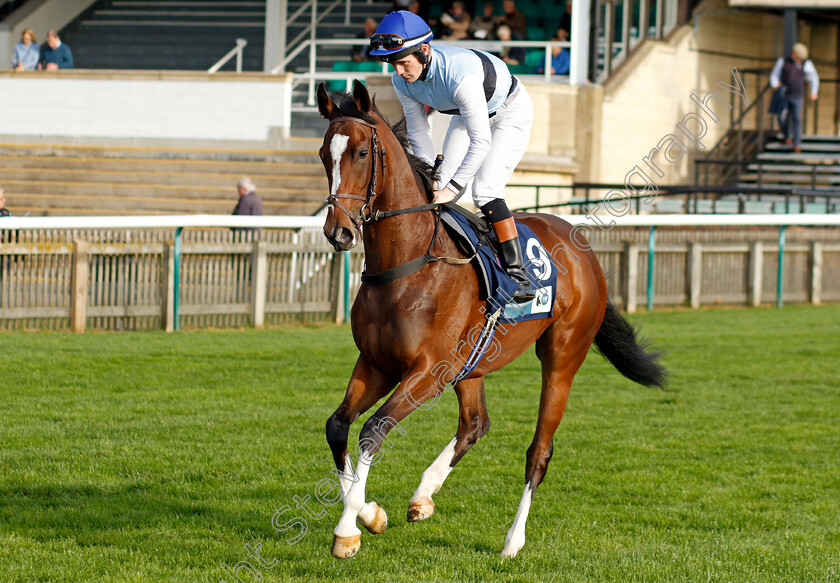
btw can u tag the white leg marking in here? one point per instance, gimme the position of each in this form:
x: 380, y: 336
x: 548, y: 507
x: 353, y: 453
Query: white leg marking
x: 354, y: 500
x: 337, y: 147
x: 434, y: 476
x: 347, y: 477
x: 515, y: 538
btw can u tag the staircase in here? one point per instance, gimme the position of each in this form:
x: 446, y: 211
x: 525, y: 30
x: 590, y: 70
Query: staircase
x: 49, y: 180
x: 815, y: 170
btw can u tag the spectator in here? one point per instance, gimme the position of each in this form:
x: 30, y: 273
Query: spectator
x: 4, y: 212
x: 414, y: 7
x: 56, y: 55
x: 788, y: 76
x: 483, y: 26
x: 27, y: 52
x: 564, y: 31
x: 456, y: 22
x: 560, y: 62
x: 249, y: 203
x: 362, y: 53
x: 510, y: 55
x: 515, y: 19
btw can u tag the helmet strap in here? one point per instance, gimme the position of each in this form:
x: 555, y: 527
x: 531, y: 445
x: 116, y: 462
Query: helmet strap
x: 424, y: 60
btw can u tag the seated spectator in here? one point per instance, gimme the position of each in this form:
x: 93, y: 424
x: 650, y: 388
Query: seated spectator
x: 55, y: 55
x: 414, y: 7
x: 483, y: 27
x: 456, y: 22
x: 27, y: 52
x: 564, y: 31
x: 560, y: 62
x: 249, y: 203
x: 510, y: 55
x: 4, y: 212
x: 515, y: 19
x: 362, y: 53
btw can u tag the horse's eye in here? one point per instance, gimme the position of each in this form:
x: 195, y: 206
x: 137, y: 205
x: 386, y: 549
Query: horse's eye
x: 363, y: 153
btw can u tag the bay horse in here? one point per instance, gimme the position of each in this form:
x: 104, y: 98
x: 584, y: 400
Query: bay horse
x: 406, y: 329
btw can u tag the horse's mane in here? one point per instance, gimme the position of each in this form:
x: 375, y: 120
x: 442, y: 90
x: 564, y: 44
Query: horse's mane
x: 422, y: 169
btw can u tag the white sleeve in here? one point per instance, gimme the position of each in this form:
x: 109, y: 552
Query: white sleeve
x: 813, y: 79
x: 469, y: 96
x: 419, y: 131
x: 776, y: 73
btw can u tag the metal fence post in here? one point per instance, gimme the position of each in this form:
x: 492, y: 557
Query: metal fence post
x: 781, y: 267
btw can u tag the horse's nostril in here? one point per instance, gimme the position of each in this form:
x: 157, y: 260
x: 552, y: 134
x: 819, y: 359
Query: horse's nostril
x: 343, y: 235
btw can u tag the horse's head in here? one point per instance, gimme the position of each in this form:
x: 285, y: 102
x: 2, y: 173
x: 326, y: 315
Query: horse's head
x: 354, y: 158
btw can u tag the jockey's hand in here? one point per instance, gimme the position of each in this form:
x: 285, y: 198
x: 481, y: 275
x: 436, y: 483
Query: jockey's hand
x: 444, y: 195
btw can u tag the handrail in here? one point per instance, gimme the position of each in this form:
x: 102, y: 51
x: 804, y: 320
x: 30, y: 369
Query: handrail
x: 241, y: 43
x: 309, y: 29
x: 489, y: 46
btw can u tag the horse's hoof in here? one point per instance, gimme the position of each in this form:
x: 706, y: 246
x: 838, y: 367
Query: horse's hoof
x: 344, y: 547
x: 420, y: 509
x: 379, y: 522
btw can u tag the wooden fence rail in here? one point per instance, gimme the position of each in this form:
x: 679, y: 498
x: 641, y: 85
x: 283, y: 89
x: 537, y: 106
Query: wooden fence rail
x: 110, y: 282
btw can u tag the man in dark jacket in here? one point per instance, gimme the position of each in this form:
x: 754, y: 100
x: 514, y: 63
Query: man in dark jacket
x: 55, y: 54
x: 249, y: 203
x: 790, y: 73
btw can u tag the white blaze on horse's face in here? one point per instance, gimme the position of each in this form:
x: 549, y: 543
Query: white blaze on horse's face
x: 337, y: 147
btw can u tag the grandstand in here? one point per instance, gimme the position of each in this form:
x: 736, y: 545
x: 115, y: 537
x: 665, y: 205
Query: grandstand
x: 643, y: 60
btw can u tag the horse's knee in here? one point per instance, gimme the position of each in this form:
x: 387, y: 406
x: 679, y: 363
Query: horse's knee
x: 536, y: 462
x: 337, y: 430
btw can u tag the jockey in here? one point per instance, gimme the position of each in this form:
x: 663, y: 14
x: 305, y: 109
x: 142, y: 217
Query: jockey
x: 489, y: 131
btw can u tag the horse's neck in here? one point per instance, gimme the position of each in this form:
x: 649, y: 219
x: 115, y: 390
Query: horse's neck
x: 393, y: 241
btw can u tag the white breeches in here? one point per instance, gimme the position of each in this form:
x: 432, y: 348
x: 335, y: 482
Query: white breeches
x: 511, y: 131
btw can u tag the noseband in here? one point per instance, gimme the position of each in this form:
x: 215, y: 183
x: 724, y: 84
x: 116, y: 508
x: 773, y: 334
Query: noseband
x: 366, y: 215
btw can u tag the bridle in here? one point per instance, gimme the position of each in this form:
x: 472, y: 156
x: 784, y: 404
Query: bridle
x: 366, y: 214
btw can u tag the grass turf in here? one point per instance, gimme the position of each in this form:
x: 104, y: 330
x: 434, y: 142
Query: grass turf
x: 155, y: 457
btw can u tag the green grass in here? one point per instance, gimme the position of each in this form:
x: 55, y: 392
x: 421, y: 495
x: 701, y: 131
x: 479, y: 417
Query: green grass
x: 155, y: 457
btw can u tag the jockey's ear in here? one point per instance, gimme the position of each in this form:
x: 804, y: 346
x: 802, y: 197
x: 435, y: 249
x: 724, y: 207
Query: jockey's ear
x: 361, y: 96
x: 325, y: 104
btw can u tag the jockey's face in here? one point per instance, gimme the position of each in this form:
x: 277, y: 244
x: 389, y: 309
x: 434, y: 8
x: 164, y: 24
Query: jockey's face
x: 410, y: 67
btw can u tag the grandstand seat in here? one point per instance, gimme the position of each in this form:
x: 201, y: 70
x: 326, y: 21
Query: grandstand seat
x: 341, y: 67
x: 369, y: 66
x: 534, y: 59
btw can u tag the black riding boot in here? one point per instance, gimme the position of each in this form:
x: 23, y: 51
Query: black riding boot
x: 512, y: 262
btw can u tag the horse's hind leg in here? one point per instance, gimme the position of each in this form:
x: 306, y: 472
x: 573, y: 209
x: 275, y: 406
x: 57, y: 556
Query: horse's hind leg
x: 473, y: 423
x: 561, y: 355
x: 367, y: 385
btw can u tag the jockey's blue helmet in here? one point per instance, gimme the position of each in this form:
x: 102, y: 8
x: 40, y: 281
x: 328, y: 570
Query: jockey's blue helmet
x: 399, y: 34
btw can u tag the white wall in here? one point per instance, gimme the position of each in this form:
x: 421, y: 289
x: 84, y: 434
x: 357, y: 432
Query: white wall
x: 40, y: 17
x: 146, y: 105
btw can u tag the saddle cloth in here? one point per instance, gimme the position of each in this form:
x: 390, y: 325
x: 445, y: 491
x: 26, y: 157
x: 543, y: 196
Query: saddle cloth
x: 497, y: 286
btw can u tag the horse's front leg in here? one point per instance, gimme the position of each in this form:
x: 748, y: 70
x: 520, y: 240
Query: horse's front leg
x: 415, y: 389
x: 367, y: 385
x: 473, y: 424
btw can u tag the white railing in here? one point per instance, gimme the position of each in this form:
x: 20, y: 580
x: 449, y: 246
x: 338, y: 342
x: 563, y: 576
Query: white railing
x: 310, y: 29
x: 237, y: 51
x: 312, y: 75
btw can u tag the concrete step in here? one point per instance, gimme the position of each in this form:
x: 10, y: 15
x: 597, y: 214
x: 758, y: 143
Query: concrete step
x: 52, y: 204
x: 307, y: 154
x: 256, y: 170
x: 768, y: 179
x: 224, y: 195
x: 209, y: 180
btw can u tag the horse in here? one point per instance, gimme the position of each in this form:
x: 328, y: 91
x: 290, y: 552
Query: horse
x: 406, y: 329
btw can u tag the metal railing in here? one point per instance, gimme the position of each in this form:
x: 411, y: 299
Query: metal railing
x: 783, y: 200
x: 748, y: 130
x: 312, y: 75
x: 236, y: 51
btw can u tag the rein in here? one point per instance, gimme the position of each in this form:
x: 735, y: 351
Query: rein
x: 368, y: 216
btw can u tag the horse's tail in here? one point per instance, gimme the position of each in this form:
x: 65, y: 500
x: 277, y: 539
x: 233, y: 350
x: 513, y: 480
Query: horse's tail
x: 618, y: 341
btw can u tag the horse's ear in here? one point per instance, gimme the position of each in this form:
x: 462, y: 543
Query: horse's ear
x: 325, y: 104
x: 361, y: 96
